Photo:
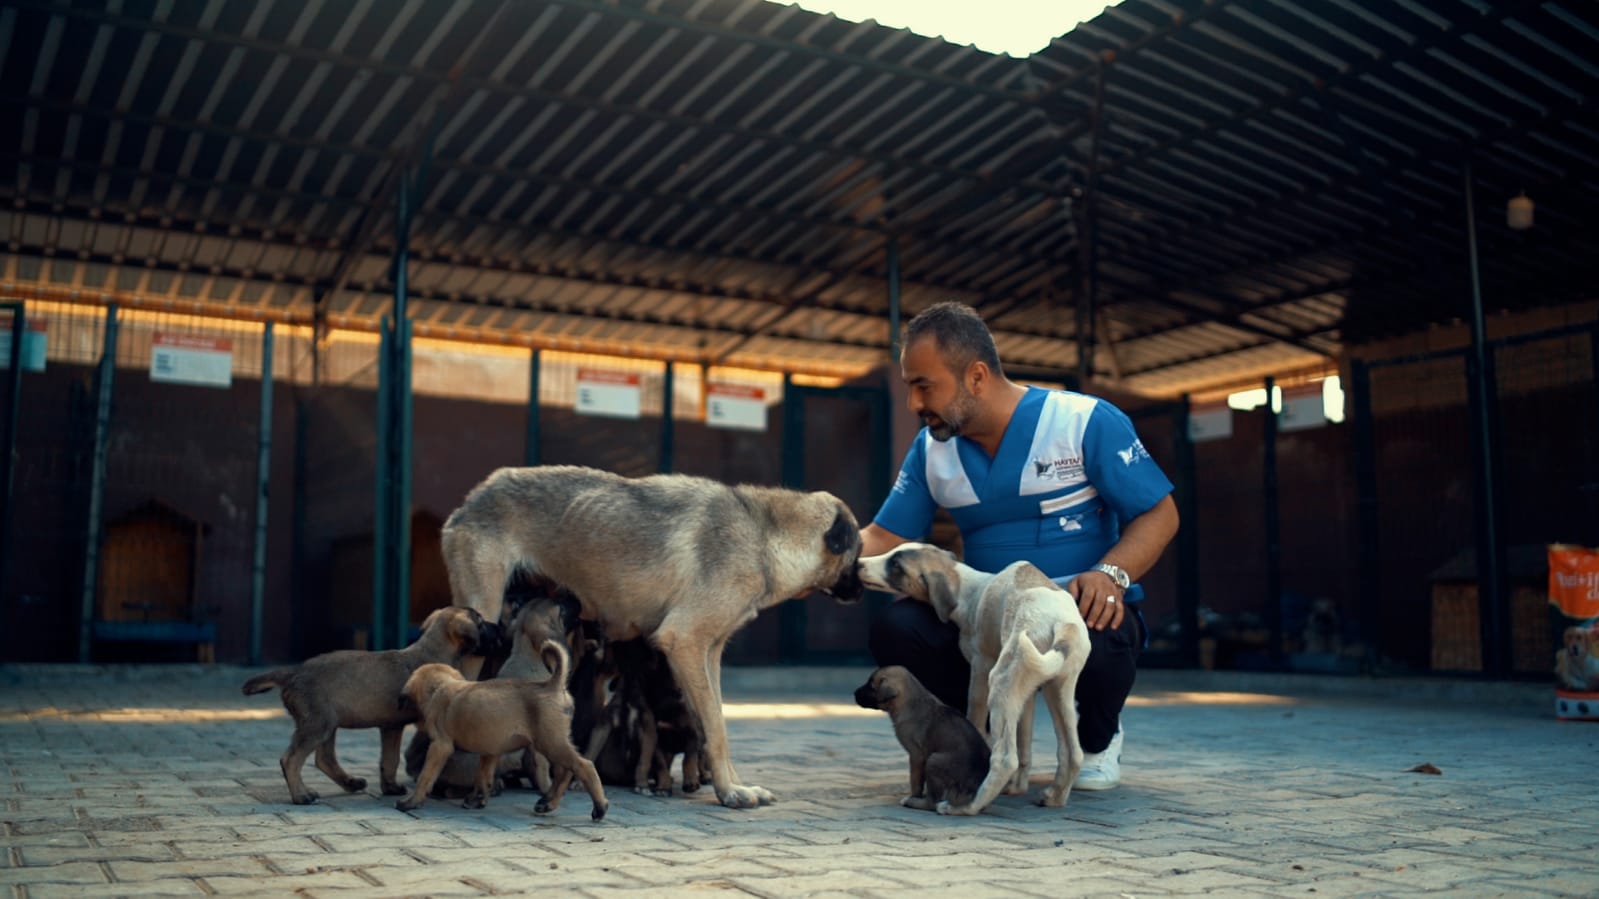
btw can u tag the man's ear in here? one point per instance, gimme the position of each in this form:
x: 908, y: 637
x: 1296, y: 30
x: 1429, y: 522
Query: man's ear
x: 977, y: 377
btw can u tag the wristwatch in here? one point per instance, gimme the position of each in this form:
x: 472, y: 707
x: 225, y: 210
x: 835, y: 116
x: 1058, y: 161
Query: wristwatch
x: 1116, y: 574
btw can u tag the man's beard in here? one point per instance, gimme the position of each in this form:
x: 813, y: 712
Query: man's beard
x: 954, y: 419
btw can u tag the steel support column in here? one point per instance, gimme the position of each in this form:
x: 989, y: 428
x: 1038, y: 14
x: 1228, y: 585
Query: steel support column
x: 893, y: 300
x: 1369, y: 551
x: 1491, y: 611
x: 1088, y: 243
x: 1187, y: 499
x: 19, y: 330
x: 668, y: 424
x: 263, y: 477
x: 1274, y: 552
x: 105, y: 381
x: 531, y: 447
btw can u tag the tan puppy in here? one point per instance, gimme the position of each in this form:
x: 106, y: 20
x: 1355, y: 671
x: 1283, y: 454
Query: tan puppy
x: 495, y: 717
x: 533, y: 623
x: 353, y: 689
x: 1021, y: 632
x: 948, y: 756
x: 682, y: 561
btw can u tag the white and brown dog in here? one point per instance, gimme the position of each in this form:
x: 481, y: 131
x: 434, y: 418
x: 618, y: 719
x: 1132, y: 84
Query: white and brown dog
x: 1022, y: 633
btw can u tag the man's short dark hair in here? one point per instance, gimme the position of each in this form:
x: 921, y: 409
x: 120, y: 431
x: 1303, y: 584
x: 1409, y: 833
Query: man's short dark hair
x: 962, y: 337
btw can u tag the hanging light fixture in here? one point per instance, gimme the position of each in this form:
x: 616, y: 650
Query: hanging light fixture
x: 1518, y: 213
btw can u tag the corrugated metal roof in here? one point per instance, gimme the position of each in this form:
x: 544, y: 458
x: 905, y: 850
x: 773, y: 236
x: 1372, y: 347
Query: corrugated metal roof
x: 720, y: 180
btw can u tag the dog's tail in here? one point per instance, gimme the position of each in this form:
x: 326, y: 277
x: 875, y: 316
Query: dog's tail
x: 264, y: 682
x: 557, y: 660
x: 1050, y: 661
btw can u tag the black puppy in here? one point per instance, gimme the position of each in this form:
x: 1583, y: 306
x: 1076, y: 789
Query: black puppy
x: 949, y: 758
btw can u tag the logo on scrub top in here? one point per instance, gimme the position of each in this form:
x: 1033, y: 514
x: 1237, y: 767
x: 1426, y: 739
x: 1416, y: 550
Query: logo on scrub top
x: 1065, y: 468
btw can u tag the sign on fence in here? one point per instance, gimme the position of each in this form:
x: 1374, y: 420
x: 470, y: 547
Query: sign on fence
x: 1303, y: 408
x: 1574, y: 601
x: 1210, y: 422
x: 735, y: 406
x: 33, y: 345
x: 191, y: 359
x: 610, y: 394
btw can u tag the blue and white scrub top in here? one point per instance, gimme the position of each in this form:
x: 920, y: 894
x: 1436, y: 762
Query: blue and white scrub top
x: 1069, y: 469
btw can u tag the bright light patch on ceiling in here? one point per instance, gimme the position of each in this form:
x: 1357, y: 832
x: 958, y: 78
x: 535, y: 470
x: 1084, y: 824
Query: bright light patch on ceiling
x: 1017, y: 28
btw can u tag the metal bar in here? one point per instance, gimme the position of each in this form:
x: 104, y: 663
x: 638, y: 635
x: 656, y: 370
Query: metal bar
x: 1088, y: 246
x: 1369, y: 550
x: 532, y: 449
x: 893, y: 300
x: 792, y: 623
x: 19, y: 331
x: 1187, y: 499
x: 1490, y: 587
x: 263, y: 479
x: 102, y: 428
x: 382, y: 524
x: 1274, y: 552
x: 668, y: 458
x: 401, y: 476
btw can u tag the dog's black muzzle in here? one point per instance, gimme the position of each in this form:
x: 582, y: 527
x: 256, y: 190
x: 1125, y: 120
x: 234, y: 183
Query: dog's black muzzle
x: 848, y: 588
x: 865, y: 696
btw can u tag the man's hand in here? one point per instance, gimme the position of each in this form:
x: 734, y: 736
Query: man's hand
x: 1099, y: 600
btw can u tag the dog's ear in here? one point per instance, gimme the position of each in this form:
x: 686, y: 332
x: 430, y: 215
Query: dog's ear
x: 843, y: 536
x: 404, y: 703
x: 940, y: 593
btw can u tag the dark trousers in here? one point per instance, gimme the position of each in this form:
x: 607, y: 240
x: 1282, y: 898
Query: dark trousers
x: 909, y: 633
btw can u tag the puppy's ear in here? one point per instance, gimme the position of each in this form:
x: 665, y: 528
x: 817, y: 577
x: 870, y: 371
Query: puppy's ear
x: 940, y: 593
x: 843, y: 536
x: 404, y: 703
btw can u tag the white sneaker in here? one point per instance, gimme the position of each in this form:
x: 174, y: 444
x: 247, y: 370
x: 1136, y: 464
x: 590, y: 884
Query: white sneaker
x: 1102, y: 770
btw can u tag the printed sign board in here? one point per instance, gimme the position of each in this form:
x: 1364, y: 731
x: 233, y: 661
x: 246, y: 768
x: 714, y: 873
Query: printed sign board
x: 735, y: 406
x: 1210, y: 423
x: 611, y: 394
x: 33, y: 345
x: 1303, y: 408
x: 196, y: 359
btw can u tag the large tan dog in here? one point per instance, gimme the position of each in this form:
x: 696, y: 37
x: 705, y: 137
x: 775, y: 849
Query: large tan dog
x: 495, y: 717
x: 1022, y: 633
x: 353, y: 689
x: 681, y: 560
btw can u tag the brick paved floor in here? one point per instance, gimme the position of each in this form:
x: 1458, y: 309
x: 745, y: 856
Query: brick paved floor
x: 164, y: 781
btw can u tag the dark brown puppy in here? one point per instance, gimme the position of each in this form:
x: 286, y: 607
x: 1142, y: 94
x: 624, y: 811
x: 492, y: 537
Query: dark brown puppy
x: 353, y: 689
x: 949, y: 758
x: 496, y: 717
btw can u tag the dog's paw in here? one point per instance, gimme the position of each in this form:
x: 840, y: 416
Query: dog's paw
x: 394, y: 789
x: 475, y: 800
x: 355, y: 785
x: 741, y: 796
x: 691, y: 786
x: 406, y: 805
x: 306, y: 798
x: 944, y: 808
x: 1050, y: 797
x: 543, y: 807
x: 599, y: 811
x: 644, y: 789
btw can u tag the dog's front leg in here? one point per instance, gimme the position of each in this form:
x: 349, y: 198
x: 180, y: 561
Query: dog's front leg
x: 438, y: 753
x: 649, y: 737
x: 691, y: 665
x: 1001, y: 750
x: 977, y: 695
x: 389, y: 760
x: 918, y: 783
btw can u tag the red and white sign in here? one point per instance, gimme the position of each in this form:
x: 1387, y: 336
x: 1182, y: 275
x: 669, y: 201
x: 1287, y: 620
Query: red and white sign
x: 191, y: 359
x: 33, y: 345
x: 1210, y: 422
x: 610, y: 394
x: 1303, y: 408
x: 735, y: 406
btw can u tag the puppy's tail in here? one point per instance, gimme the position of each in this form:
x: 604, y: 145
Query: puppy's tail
x: 1050, y: 661
x: 264, y: 682
x: 556, y: 659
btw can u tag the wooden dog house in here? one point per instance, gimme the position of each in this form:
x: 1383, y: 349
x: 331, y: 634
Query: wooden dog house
x: 149, y: 579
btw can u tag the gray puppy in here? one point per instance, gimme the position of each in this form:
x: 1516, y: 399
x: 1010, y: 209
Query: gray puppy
x: 949, y: 758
